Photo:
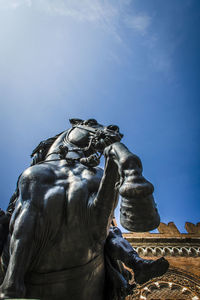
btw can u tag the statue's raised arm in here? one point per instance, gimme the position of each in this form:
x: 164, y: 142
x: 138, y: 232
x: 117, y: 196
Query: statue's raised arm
x: 61, y: 243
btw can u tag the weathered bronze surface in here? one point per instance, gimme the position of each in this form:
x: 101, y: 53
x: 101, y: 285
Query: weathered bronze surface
x: 61, y: 243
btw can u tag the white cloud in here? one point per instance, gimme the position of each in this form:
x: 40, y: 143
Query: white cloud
x: 109, y: 14
x: 85, y: 10
x: 14, y: 4
x: 139, y: 23
x: 105, y: 14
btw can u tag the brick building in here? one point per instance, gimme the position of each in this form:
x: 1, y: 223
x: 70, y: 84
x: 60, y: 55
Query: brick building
x: 182, y: 250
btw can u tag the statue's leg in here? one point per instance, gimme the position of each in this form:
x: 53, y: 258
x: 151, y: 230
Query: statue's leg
x: 119, y: 248
x: 21, y: 251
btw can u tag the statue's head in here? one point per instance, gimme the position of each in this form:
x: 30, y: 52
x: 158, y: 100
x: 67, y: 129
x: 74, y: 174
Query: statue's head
x: 86, y: 130
x: 88, y: 135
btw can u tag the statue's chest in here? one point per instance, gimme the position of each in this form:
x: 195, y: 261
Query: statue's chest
x: 79, y: 183
x: 79, y: 187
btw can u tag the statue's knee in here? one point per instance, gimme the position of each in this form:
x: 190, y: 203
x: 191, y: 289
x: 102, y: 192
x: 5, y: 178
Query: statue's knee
x: 114, y: 232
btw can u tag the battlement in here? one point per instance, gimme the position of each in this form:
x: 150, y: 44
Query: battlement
x: 171, y: 229
x: 168, y: 241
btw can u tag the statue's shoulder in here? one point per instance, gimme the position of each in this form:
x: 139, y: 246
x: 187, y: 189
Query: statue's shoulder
x: 44, y: 173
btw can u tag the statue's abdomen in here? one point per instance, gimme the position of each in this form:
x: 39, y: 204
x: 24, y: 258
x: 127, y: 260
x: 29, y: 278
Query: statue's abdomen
x: 84, y: 282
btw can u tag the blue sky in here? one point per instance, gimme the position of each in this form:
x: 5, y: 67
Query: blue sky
x: 134, y: 63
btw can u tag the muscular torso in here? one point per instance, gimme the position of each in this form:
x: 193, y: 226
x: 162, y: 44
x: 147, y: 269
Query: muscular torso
x: 62, y: 196
x: 59, y: 227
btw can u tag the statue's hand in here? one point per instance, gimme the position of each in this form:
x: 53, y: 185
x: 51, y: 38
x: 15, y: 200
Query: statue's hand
x: 91, y: 161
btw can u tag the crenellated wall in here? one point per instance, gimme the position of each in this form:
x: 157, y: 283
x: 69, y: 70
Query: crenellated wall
x: 182, y: 250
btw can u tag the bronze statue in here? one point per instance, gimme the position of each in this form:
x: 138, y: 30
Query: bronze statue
x: 61, y: 242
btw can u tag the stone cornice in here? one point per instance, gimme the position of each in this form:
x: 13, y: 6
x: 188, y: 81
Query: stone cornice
x: 168, y: 251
